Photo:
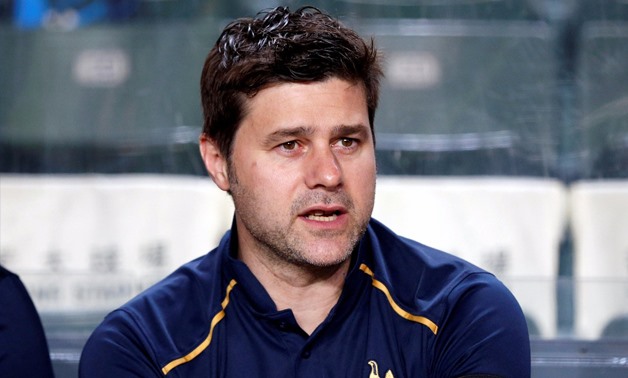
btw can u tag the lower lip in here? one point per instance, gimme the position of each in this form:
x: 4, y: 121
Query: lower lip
x: 337, y: 222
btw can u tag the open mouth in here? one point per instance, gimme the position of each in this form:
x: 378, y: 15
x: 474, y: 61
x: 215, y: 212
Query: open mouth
x: 323, y: 216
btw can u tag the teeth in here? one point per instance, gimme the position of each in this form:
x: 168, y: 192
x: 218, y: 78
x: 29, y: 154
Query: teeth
x: 320, y: 217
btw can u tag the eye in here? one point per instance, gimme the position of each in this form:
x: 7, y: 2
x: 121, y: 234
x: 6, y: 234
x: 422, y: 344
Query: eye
x: 347, y: 142
x: 289, y: 146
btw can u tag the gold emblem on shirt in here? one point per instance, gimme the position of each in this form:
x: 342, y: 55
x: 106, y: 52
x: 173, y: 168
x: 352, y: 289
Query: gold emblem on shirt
x: 375, y: 371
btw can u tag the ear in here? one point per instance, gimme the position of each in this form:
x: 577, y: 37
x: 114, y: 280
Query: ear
x: 215, y: 163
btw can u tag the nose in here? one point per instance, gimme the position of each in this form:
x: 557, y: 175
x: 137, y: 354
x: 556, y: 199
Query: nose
x: 323, y: 169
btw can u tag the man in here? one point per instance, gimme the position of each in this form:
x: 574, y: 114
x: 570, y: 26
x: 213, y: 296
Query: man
x: 23, y: 345
x: 306, y: 284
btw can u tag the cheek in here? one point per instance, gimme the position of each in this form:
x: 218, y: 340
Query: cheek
x: 367, y: 187
x: 274, y: 181
x: 368, y: 166
x: 363, y: 180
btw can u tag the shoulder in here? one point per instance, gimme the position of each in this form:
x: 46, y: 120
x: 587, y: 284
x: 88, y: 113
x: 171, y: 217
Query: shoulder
x: 5, y: 273
x: 421, y: 276
x: 15, y: 302
x: 8, y: 279
x: 479, y: 323
x: 13, y: 294
x: 483, y: 329
x: 167, y: 320
x: 184, y: 293
x: 429, y: 282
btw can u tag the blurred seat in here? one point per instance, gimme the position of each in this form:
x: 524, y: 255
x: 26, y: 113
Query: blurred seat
x: 616, y: 328
x: 89, y: 243
x: 599, y: 221
x: 573, y: 358
x: 67, y: 333
x: 508, y: 226
x: 603, y: 10
x: 599, y: 202
x: 172, y: 9
x: 466, y: 97
x: 107, y: 99
x: 603, y: 90
x: 85, y: 244
x: 443, y: 9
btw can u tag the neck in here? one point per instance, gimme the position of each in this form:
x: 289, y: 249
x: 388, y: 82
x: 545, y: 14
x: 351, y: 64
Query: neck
x: 310, y: 292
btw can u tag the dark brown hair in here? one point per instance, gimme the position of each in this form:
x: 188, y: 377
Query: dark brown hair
x: 280, y: 46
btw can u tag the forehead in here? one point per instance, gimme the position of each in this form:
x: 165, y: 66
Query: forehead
x: 331, y: 102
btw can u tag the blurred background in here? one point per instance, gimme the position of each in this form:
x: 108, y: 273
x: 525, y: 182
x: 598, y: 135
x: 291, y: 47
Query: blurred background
x: 502, y: 137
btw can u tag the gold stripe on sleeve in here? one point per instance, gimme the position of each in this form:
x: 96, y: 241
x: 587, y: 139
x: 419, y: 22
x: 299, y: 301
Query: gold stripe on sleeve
x: 202, y: 346
x: 401, y: 312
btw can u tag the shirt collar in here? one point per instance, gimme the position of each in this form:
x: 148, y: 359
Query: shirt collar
x: 259, y: 298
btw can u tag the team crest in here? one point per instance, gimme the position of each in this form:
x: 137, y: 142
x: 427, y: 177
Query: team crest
x: 375, y: 371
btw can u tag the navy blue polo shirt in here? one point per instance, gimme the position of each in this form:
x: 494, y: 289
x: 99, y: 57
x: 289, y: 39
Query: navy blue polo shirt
x: 406, y: 310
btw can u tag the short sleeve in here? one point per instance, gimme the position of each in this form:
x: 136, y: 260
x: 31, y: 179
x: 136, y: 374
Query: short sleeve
x: 484, y: 332
x: 118, y: 349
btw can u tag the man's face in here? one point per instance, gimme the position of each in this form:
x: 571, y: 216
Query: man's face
x: 302, y: 172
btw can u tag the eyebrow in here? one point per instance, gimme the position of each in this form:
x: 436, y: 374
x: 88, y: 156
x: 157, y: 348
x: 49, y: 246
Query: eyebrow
x: 287, y: 133
x: 351, y: 130
x: 301, y: 131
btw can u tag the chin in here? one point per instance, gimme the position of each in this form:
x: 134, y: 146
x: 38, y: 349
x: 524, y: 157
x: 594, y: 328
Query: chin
x: 328, y: 260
